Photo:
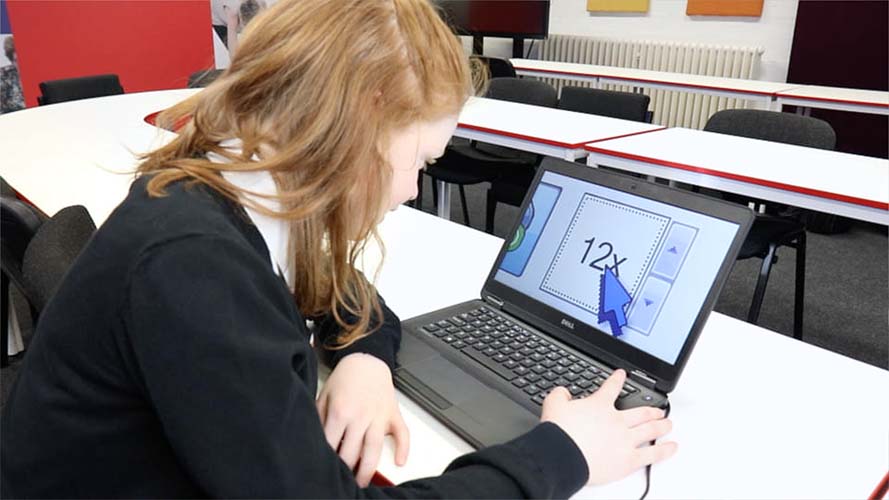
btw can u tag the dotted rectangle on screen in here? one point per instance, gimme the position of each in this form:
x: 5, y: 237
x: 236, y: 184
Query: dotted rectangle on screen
x: 632, y: 235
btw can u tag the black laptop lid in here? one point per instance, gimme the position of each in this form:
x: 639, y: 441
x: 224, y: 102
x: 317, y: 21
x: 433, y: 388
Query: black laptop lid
x: 621, y: 268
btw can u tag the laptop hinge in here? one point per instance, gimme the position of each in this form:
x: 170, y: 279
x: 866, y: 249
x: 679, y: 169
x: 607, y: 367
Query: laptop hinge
x: 643, y: 378
x: 493, y: 300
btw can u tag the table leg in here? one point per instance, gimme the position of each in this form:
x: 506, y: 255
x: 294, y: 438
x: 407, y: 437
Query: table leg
x: 444, y: 200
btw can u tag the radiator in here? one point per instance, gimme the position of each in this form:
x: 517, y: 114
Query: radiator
x: 671, y: 108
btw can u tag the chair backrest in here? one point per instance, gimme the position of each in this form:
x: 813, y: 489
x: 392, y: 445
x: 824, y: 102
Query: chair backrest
x: 611, y: 103
x: 6, y: 189
x: 19, y: 223
x: 202, y: 78
x: 524, y: 91
x: 497, y: 67
x: 773, y: 126
x: 73, y: 89
x: 52, y: 250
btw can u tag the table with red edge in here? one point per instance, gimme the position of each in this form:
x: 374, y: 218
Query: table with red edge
x: 771, y: 95
x: 755, y: 90
x: 844, y: 184
x: 535, y: 129
x: 756, y: 414
x: 807, y: 97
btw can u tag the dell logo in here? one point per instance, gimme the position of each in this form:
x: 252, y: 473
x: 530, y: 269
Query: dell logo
x: 567, y: 324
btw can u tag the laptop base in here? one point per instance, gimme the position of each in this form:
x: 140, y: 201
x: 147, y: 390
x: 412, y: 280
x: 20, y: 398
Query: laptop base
x: 477, y: 402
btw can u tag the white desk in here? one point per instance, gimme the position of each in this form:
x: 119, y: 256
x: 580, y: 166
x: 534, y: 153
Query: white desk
x: 536, y: 129
x: 839, y: 183
x: 64, y: 154
x: 756, y: 414
x: 773, y: 94
x: 757, y: 90
x: 841, y: 99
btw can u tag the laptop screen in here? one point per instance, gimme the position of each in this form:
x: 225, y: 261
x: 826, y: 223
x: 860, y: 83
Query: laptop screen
x: 633, y: 268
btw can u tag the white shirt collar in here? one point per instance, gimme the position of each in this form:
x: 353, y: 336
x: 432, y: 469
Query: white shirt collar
x: 274, y: 231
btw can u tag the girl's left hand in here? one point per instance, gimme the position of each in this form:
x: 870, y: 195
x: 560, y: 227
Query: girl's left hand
x: 358, y: 409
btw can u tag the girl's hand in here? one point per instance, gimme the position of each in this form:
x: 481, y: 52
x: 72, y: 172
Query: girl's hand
x: 609, y: 439
x: 358, y: 409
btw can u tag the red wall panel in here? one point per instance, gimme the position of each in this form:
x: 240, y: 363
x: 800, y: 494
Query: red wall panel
x: 150, y: 44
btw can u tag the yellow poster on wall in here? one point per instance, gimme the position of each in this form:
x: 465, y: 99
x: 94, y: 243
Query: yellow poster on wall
x: 617, y: 5
x: 752, y: 8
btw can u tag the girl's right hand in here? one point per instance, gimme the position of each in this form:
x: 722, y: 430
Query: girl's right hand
x: 609, y: 438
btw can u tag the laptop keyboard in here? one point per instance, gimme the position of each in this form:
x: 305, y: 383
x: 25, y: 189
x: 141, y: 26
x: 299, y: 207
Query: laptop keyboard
x: 525, y: 359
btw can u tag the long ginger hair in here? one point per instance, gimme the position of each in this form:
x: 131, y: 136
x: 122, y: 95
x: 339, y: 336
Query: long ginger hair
x: 314, y: 92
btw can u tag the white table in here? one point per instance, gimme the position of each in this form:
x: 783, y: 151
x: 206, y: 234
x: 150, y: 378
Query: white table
x: 772, y: 94
x: 841, y: 99
x: 64, y: 154
x: 756, y: 90
x: 536, y: 129
x: 828, y: 181
x: 756, y: 414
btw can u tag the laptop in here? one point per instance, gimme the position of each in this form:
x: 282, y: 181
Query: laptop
x: 601, y: 271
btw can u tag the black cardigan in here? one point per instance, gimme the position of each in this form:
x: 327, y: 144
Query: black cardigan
x: 172, y: 362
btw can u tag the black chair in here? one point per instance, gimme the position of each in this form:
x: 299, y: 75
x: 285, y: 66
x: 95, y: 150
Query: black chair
x: 510, y: 187
x: 19, y: 223
x: 202, y: 78
x: 497, y: 67
x: 611, y: 103
x: 53, y: 250
x: 37, y: 253
x: 6, y: 189
x: 773, y: 229
x: 73, y: 89
x: 474, y: 162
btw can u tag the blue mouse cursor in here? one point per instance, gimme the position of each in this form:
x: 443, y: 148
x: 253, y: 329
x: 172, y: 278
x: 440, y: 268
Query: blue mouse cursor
x: 612, y: 299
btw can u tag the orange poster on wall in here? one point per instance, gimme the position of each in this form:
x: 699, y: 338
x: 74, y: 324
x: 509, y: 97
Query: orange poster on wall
x: 752, y: 8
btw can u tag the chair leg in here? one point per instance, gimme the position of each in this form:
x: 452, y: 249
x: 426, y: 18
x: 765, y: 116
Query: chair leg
x: 4, y: 296
x: 800, y: 289
x: 490, y: 209
x: 418, y: 201
x: 434, y: 193
x: 463, y: 202
x: 760, y: 291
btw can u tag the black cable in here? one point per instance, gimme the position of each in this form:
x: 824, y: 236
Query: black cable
x: 648, y: 467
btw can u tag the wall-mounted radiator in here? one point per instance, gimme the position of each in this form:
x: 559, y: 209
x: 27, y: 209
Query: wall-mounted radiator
x: 671, y: 108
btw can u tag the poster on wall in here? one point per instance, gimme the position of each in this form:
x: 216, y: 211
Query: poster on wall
x: 11, y: 97
x: 617, y: 5
x: 751, y: 8
x: 228, y: 19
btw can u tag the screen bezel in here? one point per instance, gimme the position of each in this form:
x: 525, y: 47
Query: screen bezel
x: 590, y: 339
x: 505, y: 34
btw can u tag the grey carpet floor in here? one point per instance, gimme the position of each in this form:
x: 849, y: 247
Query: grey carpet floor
x: 847, y: 283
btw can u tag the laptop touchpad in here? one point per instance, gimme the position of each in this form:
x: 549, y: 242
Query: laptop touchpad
x: 448, y: 380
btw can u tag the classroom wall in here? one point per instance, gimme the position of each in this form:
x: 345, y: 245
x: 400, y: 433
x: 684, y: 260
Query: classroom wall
x: 151, y: 45
x: 666, y: 20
